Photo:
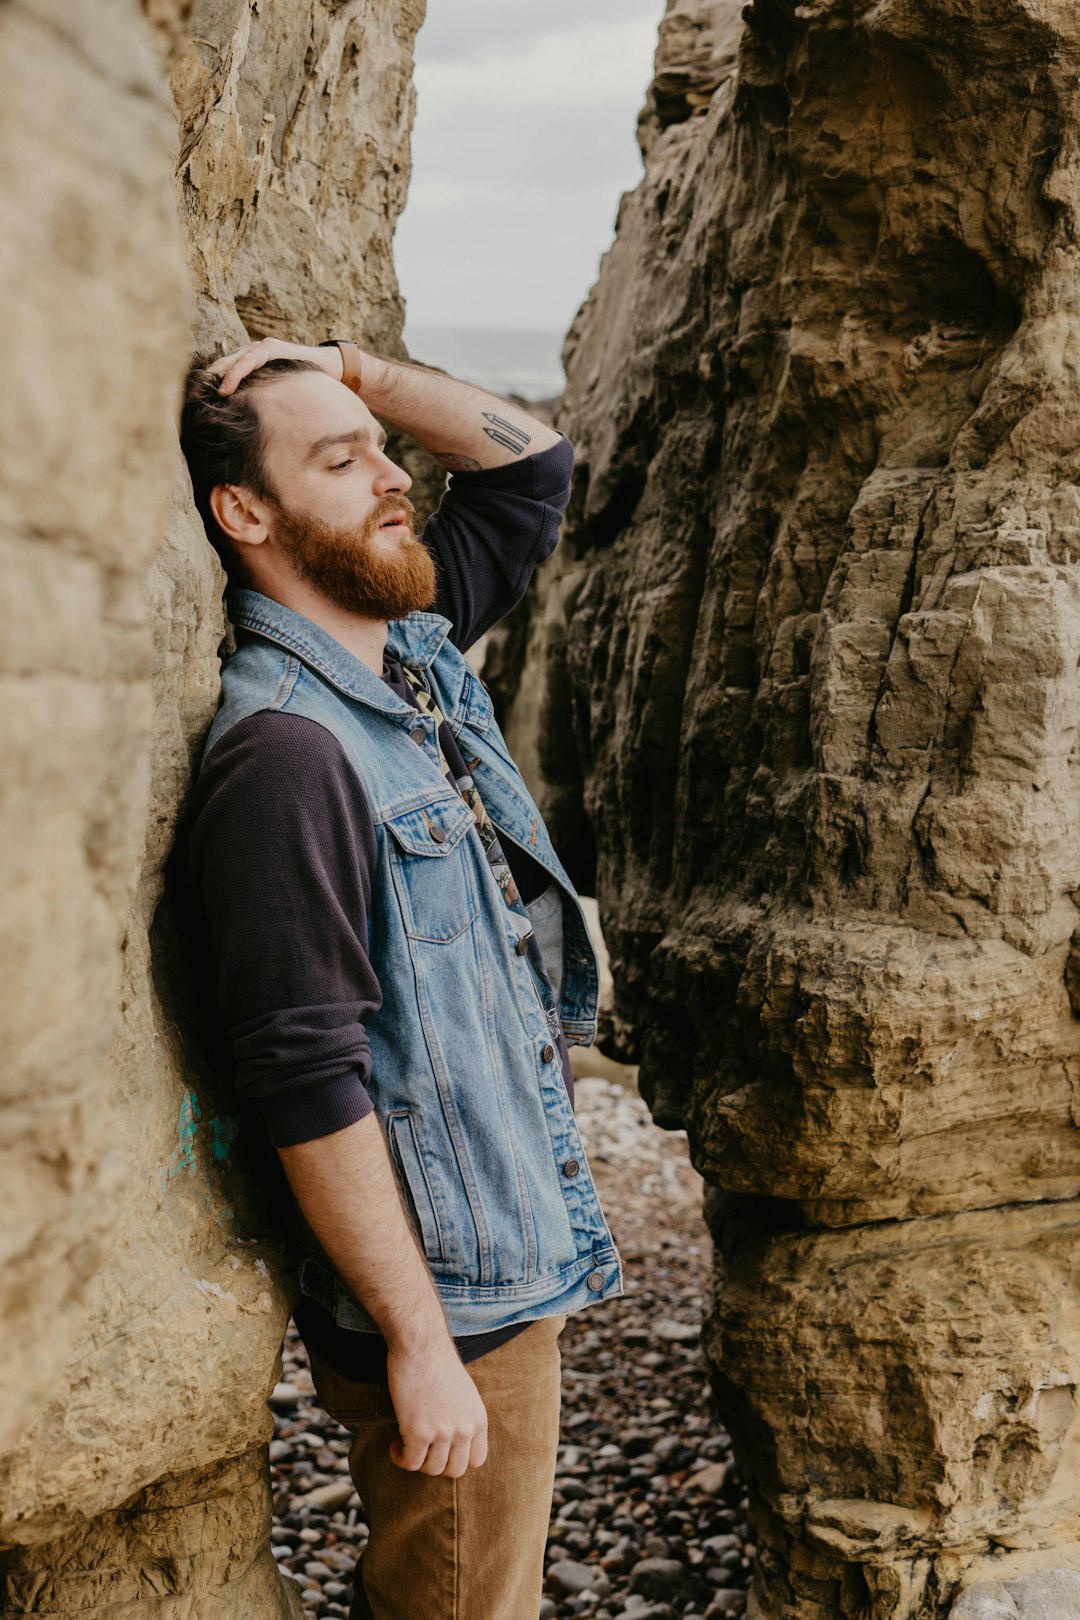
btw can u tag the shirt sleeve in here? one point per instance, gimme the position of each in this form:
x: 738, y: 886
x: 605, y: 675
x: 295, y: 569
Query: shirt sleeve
x: 488, y: 533
x: 281, y: 850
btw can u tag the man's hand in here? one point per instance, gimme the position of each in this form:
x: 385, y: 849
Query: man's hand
x: 348, y: 1193
x: 232, y: 367
x: 441, y: 1417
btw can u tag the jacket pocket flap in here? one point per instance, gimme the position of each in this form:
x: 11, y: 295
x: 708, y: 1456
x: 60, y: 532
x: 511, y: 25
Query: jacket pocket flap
x: 434, y: 828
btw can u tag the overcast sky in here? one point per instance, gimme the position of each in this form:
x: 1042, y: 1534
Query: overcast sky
x: 522, y: 145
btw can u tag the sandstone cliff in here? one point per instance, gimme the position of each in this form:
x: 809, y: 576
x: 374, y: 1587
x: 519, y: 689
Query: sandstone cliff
x: 806, y: 680
x: 185, y: 175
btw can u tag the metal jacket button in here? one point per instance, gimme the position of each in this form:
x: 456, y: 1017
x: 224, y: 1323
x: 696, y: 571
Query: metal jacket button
x: 522, y: 945
x: 595, y: 1281
x: 548, y: 1053
x: 438, y: 835
x: 417, y: 735
x: 571, y: 1167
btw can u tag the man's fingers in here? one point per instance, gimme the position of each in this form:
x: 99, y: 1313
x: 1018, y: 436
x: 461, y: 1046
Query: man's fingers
x: 479, y: 1449
x: 458, y: 1461
x: 445, y: 1456
x: 409, y: 1454
x: 232, y: 368
x: 435, y: 1462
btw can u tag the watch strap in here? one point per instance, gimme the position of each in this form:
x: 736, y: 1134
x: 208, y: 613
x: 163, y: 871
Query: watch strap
x: 350, y: 361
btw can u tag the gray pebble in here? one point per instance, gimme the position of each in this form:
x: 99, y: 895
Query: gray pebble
x: 570, y: 1577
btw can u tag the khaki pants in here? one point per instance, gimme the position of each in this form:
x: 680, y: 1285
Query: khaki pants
x: 458, y: 1549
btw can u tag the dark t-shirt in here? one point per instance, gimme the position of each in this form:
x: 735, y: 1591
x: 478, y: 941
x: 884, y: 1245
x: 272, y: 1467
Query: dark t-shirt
x: 280, y: 844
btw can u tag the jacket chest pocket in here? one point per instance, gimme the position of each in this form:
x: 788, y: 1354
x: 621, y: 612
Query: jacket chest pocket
x: 431, y: 868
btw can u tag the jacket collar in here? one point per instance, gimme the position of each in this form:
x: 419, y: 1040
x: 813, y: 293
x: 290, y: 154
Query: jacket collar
x: 415, y: 639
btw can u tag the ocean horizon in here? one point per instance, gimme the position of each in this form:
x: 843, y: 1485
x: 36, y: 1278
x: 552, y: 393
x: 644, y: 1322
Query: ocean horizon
x: 506, y: 360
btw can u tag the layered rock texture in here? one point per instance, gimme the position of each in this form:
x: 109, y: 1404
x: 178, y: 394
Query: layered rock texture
x: 806, y: 672
x: 173, y: 176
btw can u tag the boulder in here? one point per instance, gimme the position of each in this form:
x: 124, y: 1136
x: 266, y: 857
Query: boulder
x: 802, y: 682
x: 174, y: 176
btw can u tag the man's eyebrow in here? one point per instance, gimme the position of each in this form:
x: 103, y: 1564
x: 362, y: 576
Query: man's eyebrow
x: 351, y: 436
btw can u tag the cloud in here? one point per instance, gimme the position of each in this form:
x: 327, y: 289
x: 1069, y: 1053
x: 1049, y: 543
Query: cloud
x: 523, y: 145
x: 587, y: 66
x: 540, y: 151
x: 497, y: 265
x: 454, y: 29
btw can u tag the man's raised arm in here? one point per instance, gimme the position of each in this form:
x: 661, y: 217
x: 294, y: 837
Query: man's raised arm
x: 459, y: 423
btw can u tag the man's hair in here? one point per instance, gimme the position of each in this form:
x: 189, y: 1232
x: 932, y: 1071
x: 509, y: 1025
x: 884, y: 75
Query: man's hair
x: 223, y: 439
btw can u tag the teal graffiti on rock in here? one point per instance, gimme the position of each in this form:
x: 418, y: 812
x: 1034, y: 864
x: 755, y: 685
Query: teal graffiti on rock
x: 184, y: 1156
x: 223, y: 1130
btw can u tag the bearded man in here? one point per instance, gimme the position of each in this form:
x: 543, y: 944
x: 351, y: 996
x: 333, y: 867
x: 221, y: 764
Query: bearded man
x: 399, y: 957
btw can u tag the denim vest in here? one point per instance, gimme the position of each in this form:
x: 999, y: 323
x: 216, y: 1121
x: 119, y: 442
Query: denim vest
x: 477, y: 1120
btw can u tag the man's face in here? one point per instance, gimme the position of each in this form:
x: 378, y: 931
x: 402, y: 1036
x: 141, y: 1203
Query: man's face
x: 341, y: 520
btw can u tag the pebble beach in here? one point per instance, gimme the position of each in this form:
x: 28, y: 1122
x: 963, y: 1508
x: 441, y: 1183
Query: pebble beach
x: 648, y: 1515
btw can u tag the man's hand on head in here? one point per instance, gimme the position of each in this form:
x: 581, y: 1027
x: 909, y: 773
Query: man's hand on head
x: 232, y: 367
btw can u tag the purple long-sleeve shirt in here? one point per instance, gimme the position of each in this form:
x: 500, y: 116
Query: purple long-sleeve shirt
x: 280, y: 845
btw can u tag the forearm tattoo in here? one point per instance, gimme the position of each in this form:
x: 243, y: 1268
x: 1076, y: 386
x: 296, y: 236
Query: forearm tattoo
x: 455, y: 463
x: 505, y: 433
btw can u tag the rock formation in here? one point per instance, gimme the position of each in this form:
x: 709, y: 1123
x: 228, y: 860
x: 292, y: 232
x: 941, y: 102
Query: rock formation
x: 807, y: 675
x: 142, y: 1319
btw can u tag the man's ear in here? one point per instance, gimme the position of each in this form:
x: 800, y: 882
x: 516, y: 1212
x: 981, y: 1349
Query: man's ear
x: 235, y: 513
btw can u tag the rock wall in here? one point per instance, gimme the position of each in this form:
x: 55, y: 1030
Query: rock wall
x: 174, y: 176
x: 807, y: 673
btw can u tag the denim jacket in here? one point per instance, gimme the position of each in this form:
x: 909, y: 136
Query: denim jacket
x: 476, y: 1116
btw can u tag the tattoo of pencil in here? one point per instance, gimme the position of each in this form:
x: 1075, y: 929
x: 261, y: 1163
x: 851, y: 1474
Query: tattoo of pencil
x: 505, y: 433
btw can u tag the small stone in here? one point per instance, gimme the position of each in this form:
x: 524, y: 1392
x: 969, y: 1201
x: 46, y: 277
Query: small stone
x: 669, y: 1332
x: 717, y: 1545
x: 283, y: 1397
x: 709, y: 1480
x: 548, y: 1611
x: 663, y: 1578
x: 568, y: 1577
x: 328, y: 1497
x: 725, y: 1603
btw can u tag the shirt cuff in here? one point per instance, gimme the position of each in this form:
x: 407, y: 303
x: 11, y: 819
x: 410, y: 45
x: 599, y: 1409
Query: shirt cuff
x: 316, y: 1110
x: 542, y: 476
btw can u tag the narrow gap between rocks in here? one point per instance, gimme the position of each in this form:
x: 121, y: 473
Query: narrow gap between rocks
x: 649, y: 1513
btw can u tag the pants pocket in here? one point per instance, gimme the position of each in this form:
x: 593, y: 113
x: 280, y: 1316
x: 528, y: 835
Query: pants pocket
x: 347, y: 1403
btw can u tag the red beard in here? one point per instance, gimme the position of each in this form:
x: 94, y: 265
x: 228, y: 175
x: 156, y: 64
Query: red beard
x: 381, y: 578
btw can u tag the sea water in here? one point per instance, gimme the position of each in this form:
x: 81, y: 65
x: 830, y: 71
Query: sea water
x: 507, y: 360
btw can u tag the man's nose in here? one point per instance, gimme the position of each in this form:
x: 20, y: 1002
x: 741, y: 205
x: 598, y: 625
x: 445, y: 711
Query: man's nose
x: 392, y: 478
